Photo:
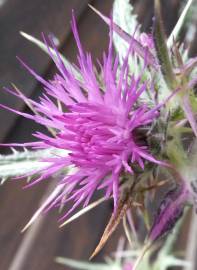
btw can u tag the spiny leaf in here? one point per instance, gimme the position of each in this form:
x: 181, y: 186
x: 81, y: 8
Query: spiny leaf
x: 124, y: 17
x: 81, y: 265
x: 161, y: 47
x: 187, y: 107
x: 190, y: 66
x: 140, y: 258
x: 179, y: 24
x: 21, y: 163
x: 137, y: 47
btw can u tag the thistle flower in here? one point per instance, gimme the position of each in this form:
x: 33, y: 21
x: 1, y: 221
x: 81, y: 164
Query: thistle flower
x: 96, y: 123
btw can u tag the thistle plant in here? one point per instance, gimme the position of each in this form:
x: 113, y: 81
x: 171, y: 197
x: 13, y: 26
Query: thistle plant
x: 119, y: 126
x: 124, y: 259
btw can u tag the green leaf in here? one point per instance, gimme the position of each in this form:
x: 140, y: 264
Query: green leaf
x: 179, y: 24
x: 85, y: 265
x: 125, y: 18
x: 161, y: 47
x: 20, y: 163
x: 137, y: 46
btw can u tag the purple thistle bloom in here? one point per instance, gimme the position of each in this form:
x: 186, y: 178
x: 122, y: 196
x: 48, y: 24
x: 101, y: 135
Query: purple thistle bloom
x: 97, y: 126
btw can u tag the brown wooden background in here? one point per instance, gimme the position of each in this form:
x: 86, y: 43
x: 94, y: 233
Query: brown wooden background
x: 17, y: 251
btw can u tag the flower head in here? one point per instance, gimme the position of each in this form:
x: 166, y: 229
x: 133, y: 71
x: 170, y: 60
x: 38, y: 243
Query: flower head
x: 95, y: 121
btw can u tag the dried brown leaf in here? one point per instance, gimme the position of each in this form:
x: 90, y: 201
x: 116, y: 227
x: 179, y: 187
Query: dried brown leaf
x: 112, y: 224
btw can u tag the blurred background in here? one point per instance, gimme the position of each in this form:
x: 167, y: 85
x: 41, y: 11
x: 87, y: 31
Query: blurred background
x: 37, y: 248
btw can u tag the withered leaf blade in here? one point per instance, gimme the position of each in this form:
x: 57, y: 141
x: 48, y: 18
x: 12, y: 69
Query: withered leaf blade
x: 112, y: 224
